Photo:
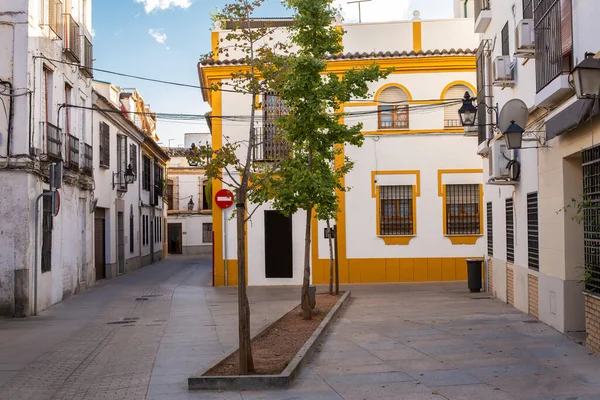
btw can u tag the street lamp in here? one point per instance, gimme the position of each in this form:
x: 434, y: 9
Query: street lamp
x: 124, y: 178
x: 129, y: 175
x: 514, y: 136
x: 468, y: 111
x: 191, y: 204
x: 586, y: 77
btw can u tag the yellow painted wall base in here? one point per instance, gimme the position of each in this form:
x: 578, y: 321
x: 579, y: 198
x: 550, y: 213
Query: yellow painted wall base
x: 388, y: 270
x: 232, y: 273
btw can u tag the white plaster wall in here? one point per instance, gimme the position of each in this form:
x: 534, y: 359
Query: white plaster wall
x: 375, y: 37
x: 191, y: 226
x: 189, y: 185
x: 585, y: 28
x: 278, y: 35
x: 407, y: 152
x: 499, y: 276
x: 457, y: 34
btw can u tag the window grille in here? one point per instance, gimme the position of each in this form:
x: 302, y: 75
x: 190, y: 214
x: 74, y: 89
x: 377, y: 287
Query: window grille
x: 396, y: 210
x: 269, y: 143
x: 88, y: 159
x: 490, y: 229
x: 47, y: 226
x: 481, y: 94
x: 104, y: 145
x: 72, y: 41
x: 510, y: 231
x: 207, y: 233
x: 146, y: 173
x: 532, y: 231
x: 462, y: 210
x: 527, y: 9
x: 133, y: 159
x: 591, y: 218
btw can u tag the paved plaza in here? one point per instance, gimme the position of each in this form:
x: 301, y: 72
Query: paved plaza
x: 142, y: 335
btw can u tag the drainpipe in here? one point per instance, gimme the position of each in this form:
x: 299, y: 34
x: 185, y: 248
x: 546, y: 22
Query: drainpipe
x: 35, y: 244
x: 466, y: 9
x: 11, y: 108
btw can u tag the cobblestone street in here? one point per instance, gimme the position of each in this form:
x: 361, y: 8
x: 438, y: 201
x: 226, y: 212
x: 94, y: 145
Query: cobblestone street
x: 141, y: 336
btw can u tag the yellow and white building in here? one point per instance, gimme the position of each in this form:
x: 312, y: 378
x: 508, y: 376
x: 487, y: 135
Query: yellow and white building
x: 414, y: 212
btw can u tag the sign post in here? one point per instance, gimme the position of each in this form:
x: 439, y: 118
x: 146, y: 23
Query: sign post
x: 224, y: 200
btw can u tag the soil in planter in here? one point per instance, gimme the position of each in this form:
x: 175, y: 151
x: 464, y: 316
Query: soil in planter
x: 278, y: 344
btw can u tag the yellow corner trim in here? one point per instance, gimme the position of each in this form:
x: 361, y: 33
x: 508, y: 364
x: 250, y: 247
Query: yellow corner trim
x: 415, y: 172
x: 417, y: 42
x: 393, y: 84
x: 467, y: 84
x: 396, y: 240
x: 468, y: 239
x: 442, y: 172
x: 413, y: 131
x: 214, y: 36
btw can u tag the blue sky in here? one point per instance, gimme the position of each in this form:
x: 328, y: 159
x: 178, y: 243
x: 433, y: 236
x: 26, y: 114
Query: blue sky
x: 163, y: 39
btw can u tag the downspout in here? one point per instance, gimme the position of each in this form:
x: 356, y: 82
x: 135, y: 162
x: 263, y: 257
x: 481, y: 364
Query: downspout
x: 11, y: 111
x: 466, y: 10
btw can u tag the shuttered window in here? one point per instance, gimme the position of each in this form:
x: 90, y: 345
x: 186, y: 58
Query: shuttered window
x: 566, y: 26
x: 462, y: 210
x: 490, y: 229
x: 131, y: 236
x: 133, y: 159
x: 505, y: 43
x: 453, y: 98
x: 533, y: 246
x: 481, y: 108
x: 527, y: 9
x: 104, y: 145
x: 393, y: 109
x: 396, y: 210
x: 146, y: 173
x: 510, y: 231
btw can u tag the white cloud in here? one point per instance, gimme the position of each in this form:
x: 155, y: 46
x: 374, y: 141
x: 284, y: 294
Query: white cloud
x: 151, y: 5
x: 159, y: 35
x: 375, y: 10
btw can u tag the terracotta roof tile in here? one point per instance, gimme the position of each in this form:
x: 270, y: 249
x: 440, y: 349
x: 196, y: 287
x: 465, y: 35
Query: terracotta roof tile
x: 365, y: 55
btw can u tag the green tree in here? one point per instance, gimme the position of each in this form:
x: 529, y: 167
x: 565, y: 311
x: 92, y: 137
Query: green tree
x: 307, y: 179
x: 233, y: 163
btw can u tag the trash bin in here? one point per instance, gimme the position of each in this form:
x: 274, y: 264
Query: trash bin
x: 474, y: 274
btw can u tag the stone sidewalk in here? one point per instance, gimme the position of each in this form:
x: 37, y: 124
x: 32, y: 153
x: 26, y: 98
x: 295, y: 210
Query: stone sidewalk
x: 401, y: 341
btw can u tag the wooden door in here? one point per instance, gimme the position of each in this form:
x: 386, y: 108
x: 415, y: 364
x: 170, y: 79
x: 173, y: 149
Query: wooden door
x: 174, y: 232
x: 99, y: 247
x: 278, y: 245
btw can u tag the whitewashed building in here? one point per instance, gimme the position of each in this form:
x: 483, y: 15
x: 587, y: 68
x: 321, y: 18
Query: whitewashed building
x: 414, y: 212
x: 46, y: 91
x: 535, y: 250
x: 189, y: 200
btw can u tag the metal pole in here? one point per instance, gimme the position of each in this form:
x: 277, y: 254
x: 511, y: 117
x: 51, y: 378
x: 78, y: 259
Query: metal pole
x: 35, y: 245
x: 337, y: 265
x: 225, y: 246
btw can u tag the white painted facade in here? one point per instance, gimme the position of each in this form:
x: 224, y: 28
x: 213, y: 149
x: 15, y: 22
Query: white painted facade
x: 550, y: 166
x: 189, y: 231
x: 37, y: 81
x: 441, y: 154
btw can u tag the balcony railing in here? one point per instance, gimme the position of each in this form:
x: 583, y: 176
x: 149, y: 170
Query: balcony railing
x: 87, y: 160
x: 72, y: 152
x: 53, y: 137
x: 88, y: 58
x: 52, y: 11
x: 551, y: 56
x: 452, y: 123
x: 481, y: 5
x: 269, y: 144
x: 72, y: 37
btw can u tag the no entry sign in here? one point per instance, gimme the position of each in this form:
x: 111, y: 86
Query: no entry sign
x: 224, y: 198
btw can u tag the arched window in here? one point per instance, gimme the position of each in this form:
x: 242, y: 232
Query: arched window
x: 393, y: 108
x: 452, y: 98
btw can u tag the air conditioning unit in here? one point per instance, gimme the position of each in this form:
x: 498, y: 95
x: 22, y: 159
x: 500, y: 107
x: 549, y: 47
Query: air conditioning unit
x: 503, y: 72
x: 525, y: 39
x: 501, y: 164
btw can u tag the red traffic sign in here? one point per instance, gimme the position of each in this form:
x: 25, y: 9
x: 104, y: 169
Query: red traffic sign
x: 224, y: 198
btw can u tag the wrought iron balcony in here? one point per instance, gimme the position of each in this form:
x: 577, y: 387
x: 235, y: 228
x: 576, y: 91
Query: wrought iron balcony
x: 72, y: 152
x: 88, y: 58
x: 53, y: 141
x: 51, y: 16
x: 269, y: 144
x: 72, y: 38
x: 87, y: 160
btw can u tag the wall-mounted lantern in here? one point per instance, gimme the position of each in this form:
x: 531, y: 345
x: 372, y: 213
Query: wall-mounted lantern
x: 123, y: 178
x: 191, y: 204
x: 586, y: 78
x: 468, y: 111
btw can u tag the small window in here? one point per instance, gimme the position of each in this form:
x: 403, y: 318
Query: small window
x: 146, y: 173
x: 533, y: 246
x: 462, y: 210
x: 133, y: 159
x: 104, y: 145
x: 505, y: 43
x: 490, y: 229
x: 47, y: 226
x: 170, y: 198
x: 510, y: 231
x: 207, y: 233
x: 452, y: 100
x: 396, y: 210
x: 393, y: 109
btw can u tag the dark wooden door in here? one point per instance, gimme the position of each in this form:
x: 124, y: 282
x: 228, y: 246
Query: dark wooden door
x: 99, y: 248
x: 278, y: 245
x: 121, y: 242
x: 175, y: 238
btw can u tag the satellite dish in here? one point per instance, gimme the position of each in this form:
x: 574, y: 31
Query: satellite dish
x: 514, y: 110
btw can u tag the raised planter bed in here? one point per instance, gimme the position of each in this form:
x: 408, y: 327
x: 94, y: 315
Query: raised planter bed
x: 274, y: 370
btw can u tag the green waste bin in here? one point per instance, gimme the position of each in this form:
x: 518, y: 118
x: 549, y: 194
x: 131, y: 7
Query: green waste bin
x: 474, y: 274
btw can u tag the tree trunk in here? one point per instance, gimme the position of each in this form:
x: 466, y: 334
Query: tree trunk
x: 330, y: 232
x: 306, y: 311
x: 246, y: 359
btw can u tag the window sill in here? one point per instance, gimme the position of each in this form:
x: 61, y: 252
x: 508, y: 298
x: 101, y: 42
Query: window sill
x: 463, y: 239
x: 104, y: 166
x: 397, y: 240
